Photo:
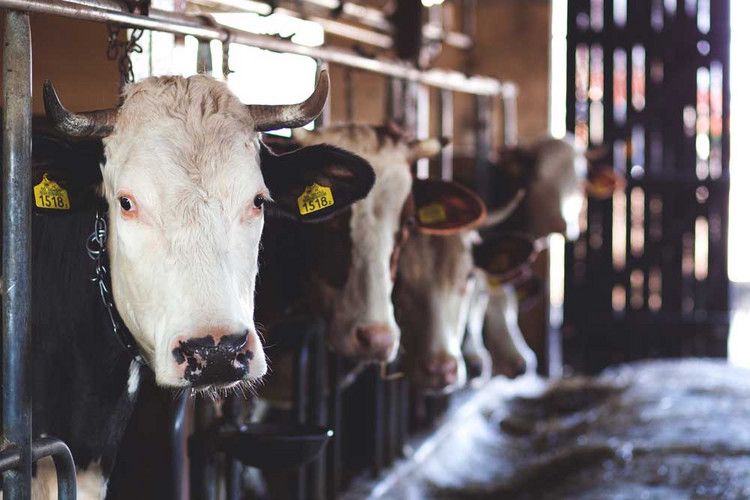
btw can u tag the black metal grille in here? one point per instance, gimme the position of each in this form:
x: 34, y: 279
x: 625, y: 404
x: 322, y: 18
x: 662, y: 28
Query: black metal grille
x: 649, y: 80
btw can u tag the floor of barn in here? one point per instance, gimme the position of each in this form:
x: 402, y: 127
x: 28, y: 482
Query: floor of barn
x: 652, y: 430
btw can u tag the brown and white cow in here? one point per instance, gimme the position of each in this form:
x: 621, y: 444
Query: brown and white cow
x: 343, y: 269
x: 437, y: 280
x: 179, y: 199
x: 557, y: 178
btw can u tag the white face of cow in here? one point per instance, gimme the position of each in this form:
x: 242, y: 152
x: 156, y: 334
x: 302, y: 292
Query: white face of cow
x: 181, y: 180
x: 186, y: 181
x: 556, y: 192
x: 361, y: 319
x: 433, y: 298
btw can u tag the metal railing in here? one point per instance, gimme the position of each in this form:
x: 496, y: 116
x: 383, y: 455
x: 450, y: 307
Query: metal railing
x: 201, y: 27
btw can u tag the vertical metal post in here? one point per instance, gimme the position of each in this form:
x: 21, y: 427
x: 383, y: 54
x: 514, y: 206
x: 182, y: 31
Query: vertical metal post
x: 510, y: 115
x: 178, y: 446
x: 422, y: 124
x: 446, y: 130
x: 16, y: 279
x: 333, y: 452
x: 482, y: 147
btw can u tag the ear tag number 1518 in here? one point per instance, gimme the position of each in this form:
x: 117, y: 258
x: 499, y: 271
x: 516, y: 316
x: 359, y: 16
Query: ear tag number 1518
x: 314, y: 198
x: 48, y: 194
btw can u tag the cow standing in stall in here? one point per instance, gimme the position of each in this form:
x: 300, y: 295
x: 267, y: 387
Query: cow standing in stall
x: 437, y: 279
x: 557, y: 178
x: 176, y: 201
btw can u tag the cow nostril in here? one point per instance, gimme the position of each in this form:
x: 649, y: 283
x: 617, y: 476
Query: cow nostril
x: 235, y: 342
x: 363, y: 338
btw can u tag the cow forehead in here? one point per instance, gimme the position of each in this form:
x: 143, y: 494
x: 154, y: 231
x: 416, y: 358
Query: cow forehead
x: 438, y: 261
x: 177, y: 136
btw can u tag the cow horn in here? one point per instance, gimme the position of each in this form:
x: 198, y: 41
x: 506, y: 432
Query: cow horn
x: 291, y: 115
x: 98, y: 123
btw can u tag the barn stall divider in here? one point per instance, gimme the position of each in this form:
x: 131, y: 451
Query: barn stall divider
x: 387, y: 418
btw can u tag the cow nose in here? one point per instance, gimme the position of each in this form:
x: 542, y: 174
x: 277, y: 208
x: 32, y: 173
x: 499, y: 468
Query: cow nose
x: 214, y: 358
x: 440, y: 371
x: 474, y: 367
x: 374, y: 342
x: 513, y: 370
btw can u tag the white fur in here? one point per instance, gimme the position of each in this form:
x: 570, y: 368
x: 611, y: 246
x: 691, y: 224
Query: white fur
x: 502, y: 334
x: 434, y: 298
x: 366, y: 297
x: 187, y: 264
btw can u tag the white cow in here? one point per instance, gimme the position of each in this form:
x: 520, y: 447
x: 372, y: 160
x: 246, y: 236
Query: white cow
x: 182, y: 192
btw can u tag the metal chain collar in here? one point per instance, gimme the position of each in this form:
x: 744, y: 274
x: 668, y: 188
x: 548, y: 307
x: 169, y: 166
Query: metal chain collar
x: 96, y: 247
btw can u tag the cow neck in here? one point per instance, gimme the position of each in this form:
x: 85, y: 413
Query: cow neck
x: 96, y: 247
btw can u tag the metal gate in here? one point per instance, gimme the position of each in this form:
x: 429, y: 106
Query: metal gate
x: 648, y: 81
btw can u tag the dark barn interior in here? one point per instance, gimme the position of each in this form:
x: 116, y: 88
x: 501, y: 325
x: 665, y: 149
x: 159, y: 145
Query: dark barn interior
x: 382, y: 249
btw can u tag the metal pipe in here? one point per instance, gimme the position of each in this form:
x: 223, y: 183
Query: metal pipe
x: 16, y: 283
x: 10, y: 458
x: 378, y: 31
x: 446, y: 130
x: 172, y: 22
x: 510, y: 115
x: 178, y: 445
x: 64, y: 465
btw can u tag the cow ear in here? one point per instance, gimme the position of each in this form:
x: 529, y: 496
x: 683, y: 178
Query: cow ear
x: 444, y: 207
x: 602, y: 181
x: 66, y: 175
x: 506, y: 257
x: 426, y: 148
x: 315, y: 182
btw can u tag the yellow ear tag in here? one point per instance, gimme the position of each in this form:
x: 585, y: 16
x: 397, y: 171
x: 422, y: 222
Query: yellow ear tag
x: 431, y: 213
x: 314, y: 198
x: 494, y: 282
x: 48, y: 194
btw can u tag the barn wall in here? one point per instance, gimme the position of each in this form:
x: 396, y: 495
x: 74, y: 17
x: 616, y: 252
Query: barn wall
x: 71, y: 53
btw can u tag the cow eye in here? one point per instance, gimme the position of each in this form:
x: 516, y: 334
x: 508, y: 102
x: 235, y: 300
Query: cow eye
x: 259, y: 201
x: 126, y: 204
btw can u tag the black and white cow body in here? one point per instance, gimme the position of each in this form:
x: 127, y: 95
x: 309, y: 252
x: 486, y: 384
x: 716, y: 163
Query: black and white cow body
x: 183, y: 184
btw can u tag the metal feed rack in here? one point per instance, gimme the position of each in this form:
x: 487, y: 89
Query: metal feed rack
x: 19, y: 452
x: 648, y: 278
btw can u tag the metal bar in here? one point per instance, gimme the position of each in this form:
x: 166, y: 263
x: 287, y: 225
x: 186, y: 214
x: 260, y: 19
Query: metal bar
x: 316, y: 415
x: 333, y: 452
x: 183, y: 24
x: 482, y: 147
x: 378, y: 31
x: 446, y: 130
x: 10, y: 458
x: 178, y: 446
x: 510, y: 115
x: 64, y: 465
x: 16, y: 282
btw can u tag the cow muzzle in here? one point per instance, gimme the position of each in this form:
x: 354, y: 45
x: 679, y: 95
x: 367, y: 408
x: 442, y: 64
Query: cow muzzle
x: 374, y: 342
x: 439, y: 374
x: 216, y: 359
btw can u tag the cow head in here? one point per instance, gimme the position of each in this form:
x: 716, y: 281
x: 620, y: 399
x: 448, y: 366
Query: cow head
x: 557, y: 178
x: 436, y: 280
x: 186, y: 181
x: 353, y: 282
